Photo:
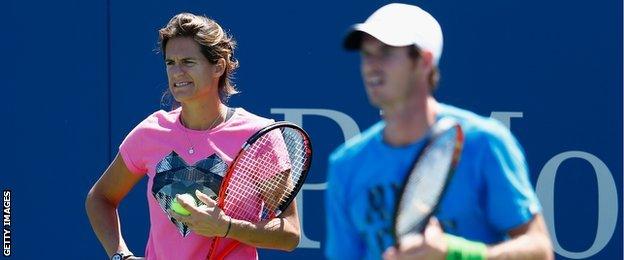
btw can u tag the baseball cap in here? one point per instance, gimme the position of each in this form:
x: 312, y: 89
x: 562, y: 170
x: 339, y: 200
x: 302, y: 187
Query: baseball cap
x: 399, y: 25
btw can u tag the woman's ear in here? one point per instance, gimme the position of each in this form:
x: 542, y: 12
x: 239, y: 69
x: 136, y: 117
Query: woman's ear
x: 219, y: 68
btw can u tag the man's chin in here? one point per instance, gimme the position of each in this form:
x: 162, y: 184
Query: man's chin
x: 375, y: 102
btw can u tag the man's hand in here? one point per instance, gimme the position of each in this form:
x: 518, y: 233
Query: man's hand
x: 430, y: 245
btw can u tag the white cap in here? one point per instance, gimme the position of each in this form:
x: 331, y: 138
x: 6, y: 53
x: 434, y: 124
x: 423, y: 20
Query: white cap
x: 399, y: 25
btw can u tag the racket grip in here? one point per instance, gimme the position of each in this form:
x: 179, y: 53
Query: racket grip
x: 226, y: 251
x: 213, y: 248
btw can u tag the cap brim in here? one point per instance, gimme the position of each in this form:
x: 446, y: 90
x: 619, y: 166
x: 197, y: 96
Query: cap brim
x: 353, y: 39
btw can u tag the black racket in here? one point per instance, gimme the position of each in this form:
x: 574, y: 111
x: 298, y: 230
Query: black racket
x: 427, y: 180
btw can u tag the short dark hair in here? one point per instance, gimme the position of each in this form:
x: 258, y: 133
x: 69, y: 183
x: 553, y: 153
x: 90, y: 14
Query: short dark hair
x: 434, y: 76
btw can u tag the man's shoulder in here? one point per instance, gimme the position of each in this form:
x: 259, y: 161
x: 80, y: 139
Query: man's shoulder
x: 477, y: 126
x: 356, y: 146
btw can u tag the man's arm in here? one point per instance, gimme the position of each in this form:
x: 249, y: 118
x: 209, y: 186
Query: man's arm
x: 528, y: 241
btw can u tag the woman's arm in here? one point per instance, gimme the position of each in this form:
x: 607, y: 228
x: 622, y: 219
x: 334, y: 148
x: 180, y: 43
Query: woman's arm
x: 281, y: 233
x: 103, y: 200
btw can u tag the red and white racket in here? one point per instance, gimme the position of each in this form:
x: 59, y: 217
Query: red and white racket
x: 265, y: 177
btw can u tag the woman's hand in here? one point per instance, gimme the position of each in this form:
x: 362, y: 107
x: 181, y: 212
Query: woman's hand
x: 206, y: 220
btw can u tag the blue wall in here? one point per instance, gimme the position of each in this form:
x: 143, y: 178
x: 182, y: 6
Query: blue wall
x: 81, y: 74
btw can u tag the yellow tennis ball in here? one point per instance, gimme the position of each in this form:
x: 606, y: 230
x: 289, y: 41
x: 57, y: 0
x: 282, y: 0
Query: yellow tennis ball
x: 177, y: 208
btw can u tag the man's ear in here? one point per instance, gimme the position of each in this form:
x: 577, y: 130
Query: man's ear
x: 426, y: 58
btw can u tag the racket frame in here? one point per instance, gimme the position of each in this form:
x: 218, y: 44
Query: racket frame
x: 457, y: 151
x: 226, y: 180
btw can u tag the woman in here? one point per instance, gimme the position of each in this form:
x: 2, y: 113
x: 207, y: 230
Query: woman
x: 203, y: 135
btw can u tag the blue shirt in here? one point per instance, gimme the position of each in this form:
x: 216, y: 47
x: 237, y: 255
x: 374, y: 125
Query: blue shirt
x: 490, y: 192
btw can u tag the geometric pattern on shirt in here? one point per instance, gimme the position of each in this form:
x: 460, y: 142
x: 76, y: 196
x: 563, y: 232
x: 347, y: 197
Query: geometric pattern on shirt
x: 174, y: 176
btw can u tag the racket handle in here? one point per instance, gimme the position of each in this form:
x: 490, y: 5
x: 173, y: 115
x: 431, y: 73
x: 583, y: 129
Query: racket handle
x: 213, y: 248
x: 226, y: 251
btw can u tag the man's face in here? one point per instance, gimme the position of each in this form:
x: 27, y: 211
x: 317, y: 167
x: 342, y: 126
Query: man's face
x: 389, y: 73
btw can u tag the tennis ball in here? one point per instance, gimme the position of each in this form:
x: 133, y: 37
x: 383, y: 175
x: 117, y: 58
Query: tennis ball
x: 177, y: 208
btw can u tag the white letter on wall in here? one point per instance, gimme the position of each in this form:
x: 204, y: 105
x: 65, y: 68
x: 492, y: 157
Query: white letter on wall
x: 349, y: 129
x: 607, y: 201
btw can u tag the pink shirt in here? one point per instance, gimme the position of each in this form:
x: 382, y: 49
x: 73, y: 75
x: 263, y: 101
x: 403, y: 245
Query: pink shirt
x: 149, y: 149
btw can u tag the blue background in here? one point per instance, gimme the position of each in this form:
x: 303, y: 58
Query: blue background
x: 81, y: 74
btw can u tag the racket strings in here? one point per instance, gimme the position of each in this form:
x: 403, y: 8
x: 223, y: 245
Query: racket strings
x: 265, y: 175
x: 425, y: 184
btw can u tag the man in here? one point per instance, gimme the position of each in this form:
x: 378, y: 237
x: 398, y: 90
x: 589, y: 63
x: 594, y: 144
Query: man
x: 489, y: 210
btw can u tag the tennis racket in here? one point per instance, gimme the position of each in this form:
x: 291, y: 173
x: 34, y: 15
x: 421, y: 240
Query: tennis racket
x: 265, y: 177
x: 428, y: 178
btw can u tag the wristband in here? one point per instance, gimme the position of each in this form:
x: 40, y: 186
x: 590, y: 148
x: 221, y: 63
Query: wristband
x: 462, y: 249
x: 228, y: 229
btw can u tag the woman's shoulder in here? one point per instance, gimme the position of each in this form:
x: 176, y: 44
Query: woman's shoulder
x: 244, y: 118
x: 241, y: 112
x: 159, y: 120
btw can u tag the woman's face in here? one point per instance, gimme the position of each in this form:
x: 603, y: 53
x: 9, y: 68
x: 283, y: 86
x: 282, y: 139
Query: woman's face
x: 191, y: 76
